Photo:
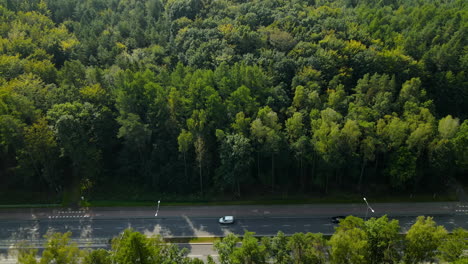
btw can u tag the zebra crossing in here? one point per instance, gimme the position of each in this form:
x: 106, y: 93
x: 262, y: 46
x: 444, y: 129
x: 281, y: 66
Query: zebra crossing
x: 461, y: 209
x: 71, y: 214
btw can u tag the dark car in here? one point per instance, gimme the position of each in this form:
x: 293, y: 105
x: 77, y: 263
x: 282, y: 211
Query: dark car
x: 337, y: 219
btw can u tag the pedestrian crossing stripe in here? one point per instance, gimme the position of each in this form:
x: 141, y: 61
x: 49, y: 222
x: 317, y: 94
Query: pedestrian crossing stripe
x: 67, y: 216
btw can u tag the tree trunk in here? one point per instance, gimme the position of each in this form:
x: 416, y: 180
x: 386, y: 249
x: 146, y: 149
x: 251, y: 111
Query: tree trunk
x: 185, y: 167
x: 326, y: 184
x: 363, y: 166
x: 272, y: 172
x: 258, y: 164
x: 302, y: 175
x: 201, y: 177
x: 313, y: 166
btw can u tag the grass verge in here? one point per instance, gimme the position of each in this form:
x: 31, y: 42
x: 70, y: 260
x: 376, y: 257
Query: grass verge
x: 23, y: 200
x: 192, y: 239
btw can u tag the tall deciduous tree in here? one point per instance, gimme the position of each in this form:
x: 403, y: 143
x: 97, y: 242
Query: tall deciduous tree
x: 185, y: 141
x: 266, y: 131
x: 326, y: 141
x: 41, y: 154
x: 298, y: 141
x: 73, y: 127
x: 137, y: 136
x: 196, y: 125
x: 236, y: 159
x: 460, y: 142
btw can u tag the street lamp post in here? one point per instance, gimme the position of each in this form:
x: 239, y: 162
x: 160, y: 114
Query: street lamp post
x: 157, y: 210
x: 368, y: 207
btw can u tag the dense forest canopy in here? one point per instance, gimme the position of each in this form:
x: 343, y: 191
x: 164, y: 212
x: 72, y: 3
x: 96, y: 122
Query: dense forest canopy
x: 218, y: 96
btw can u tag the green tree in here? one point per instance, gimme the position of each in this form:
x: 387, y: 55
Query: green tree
x: 200, y: 151
x: 134, y: 247
x: 137, y: 136
x: 225, y: 248
x: 73, y: 126
x: 402, y: 168
x: 59, y: 249
x: 448, y: 127
x: 451, y: 249
x: 197, y: 125
x: 368, y: 149
x: 383, y: 239
x: 236, y: 158
x: 250, y: 252
x: 298, y: 141
x: 41, y: 154
x: 241, y: 101
x: 98, y: 256
x: 441, y: 149
x: 26, y: 254
x: 393, y: 131
x: 422, y: 240
x: 241, y: 125
x: 307, y: 248
x: 279, y: 250
x: 185, y: 140
x: 10, y: 138
x: 326, y: 139
x: 350, y: 243
x: 266, y: 130
x: 460, y: 143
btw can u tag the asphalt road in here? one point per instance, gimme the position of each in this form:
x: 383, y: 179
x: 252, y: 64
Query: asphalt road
x: 103, y: 229
x: 95, y: 226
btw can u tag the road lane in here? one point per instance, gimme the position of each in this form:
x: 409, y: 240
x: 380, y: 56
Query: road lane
x: 97, y: 225
x: 189, y: 226
x: 317, y: 210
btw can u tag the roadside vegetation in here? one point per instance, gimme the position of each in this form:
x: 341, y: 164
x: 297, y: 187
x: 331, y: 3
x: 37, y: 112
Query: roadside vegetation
x: 118, y: 100
x: 355, y: 241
